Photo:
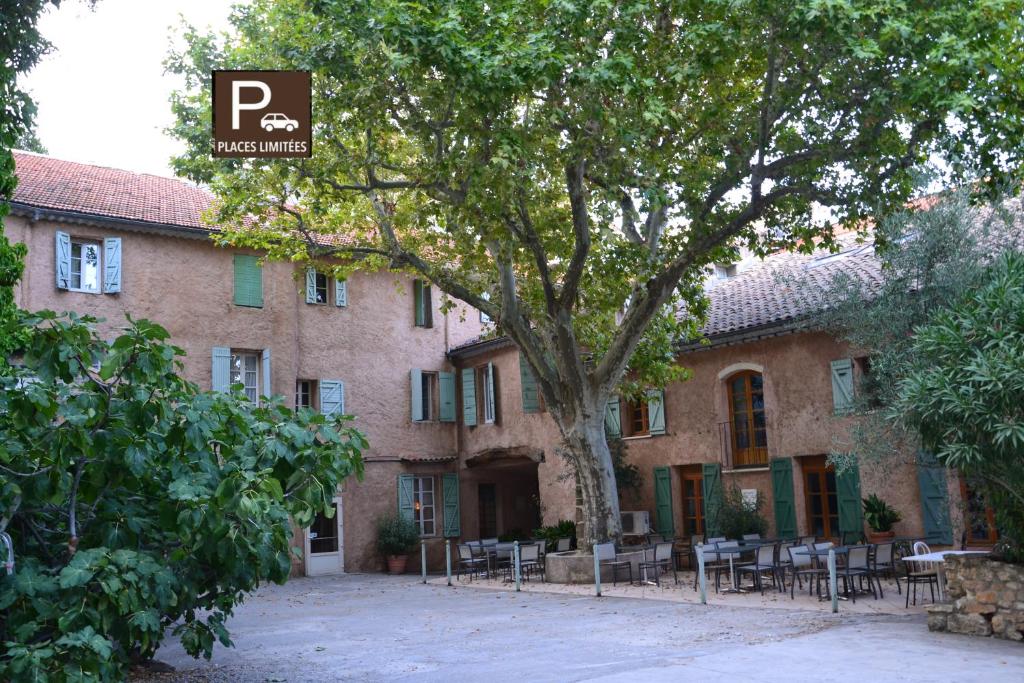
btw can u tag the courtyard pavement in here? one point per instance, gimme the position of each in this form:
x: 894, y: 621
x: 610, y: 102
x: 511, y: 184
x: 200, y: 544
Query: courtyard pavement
x: 376, y: 628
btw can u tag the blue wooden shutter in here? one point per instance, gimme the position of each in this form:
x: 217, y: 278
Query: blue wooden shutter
x: 842, y: 385
x: 446, y: 382
x: 265, y: 358
x: 491, y: 396
x: 416, y: 394
x: 62, y: 266
x: 663, y: 501
x: 531, y: 401
x: 851, y: 511
x: 931, y: 479
x: 310, y: 285
x: 221, y: 369
x: 112, y: 265
x: 784, y: 500
x: 332, y: 396
x: 450, y: 491
x: 711, y: 489
x: 405, y: 496
x: 341, y: 293
x: 248, y: 281
x: 468, y: 397
x: 612, y: 419
x: 656, y: 412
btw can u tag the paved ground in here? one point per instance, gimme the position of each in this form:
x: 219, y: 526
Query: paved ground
x: 377, y: 628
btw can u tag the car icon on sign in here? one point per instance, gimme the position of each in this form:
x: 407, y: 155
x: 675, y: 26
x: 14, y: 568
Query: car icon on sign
x: 278, y: 121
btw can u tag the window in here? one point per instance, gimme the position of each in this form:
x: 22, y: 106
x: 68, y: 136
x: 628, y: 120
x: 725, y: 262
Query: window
x: 637, y: 423
x: 85, y: 267
x: 248, y: 281
x: 323, y: 533
x: 423, y: 504
x: 423, y: 309
x: 321, y: 288
x: 305, y: 390
x: 980, y: 519
x: 746, y: 415
x: 693, y: 501
x: 820, y: 497
x: 245, y: 371
x: 724, y: 271
x: 485, y: 384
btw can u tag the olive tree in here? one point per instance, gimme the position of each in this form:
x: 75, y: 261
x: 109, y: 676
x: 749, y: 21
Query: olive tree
x: 572, y: 168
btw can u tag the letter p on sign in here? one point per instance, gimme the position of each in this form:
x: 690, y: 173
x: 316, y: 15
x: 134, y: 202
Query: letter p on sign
x: 237, y: 105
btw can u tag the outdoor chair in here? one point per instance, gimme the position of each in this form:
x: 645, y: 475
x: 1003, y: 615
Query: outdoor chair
x: 725, y: 551
x: 607, y: 557
x: 654, y: 539
x: 883, y: 561
x: 764, y: 563
x: 856, y: 567
x: 661, y: 562
x: 471, y: 561
x: 542, y: 550
x: 563, y: 545
x: 782, y: 562
x: 850, y: 538
x: 529, y: 561
x: 918, y: 573
x: 803, y: 566
x: 808, y: 540
x: 751, y: 537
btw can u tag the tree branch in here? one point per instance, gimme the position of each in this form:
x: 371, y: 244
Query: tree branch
x: 581, y: 232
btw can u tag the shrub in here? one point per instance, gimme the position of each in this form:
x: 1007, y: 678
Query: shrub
x: 396, y: 535
x: 551, y: 534
x: 139, y: 504
x: 736, y: 517
x: 879, y: 515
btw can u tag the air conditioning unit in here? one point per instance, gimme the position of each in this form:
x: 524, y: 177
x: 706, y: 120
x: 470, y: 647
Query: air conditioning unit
x: 636, y: 523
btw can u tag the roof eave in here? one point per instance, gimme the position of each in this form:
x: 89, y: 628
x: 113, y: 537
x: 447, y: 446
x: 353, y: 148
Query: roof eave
x: 37, y: 213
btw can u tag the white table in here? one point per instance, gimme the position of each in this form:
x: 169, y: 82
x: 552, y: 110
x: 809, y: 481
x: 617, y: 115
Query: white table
x: 939, y: 556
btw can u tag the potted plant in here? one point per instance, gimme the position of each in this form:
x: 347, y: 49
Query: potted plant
x: 396, y: 537
x: 880, y: 518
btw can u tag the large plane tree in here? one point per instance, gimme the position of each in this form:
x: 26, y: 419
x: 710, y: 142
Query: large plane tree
x: 572, y: 167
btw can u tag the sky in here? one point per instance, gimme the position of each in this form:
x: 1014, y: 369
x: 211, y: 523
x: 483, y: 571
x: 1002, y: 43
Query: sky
x: 102, y: 94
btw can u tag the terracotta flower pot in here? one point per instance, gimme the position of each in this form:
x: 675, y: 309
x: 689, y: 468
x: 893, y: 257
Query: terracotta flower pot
x: 396, y: 563
x: 880, y: 536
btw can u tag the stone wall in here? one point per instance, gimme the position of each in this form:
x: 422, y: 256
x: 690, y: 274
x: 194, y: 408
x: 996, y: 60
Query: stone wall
x: 986, y: 598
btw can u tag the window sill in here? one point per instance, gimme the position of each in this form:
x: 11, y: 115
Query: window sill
x: 83, y: 291
x: 638, y: 437
x: 739, y: 470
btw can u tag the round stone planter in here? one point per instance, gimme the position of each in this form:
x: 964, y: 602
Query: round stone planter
x: 577, y: 567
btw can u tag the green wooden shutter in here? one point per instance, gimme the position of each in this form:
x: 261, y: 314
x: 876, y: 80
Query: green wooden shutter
x: 491, y: 396
x: 62, y: 265
x: 416, y: 394
x: 784, y: 500
x: 531, y: 401
x: 842, y: 385
x: 112, y: 265
x: 248, y: 281
x: 221, y: 369
x: 265, y: 361
x: 711, y: 489
x: 341, y: 293
x: 418, y: 302
x: 851, y: 511
x: 931, y: 479
x: 663, y: 501
x: 612, y: 419
x: 405, y: 496
x: 656, y: 412
x: 332, y: 396
x: 310, y: 285
x: 450, y: 491
x: 468, y: 397
x: 446, y: 382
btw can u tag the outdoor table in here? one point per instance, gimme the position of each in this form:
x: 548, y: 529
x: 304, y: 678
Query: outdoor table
x: 830, y: 553
x: 940, y: 557
x: 740, y: 546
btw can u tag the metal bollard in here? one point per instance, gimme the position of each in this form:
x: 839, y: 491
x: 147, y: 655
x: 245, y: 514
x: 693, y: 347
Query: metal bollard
x: 515, y: 563
x: 423, y: 560
x: 700, y: 574
x: 597, y: 573
x: 448, y: 559
x: 832, y: 579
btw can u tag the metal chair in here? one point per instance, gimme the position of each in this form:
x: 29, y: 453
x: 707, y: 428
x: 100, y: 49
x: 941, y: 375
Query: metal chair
x: 802, y: 565
x: 883, y: 561
x: 764, y: 563
x: 751, y: 537
x: 529, y: 561
x: 727, y: 558
x: 471, y: 561
x: 607, y: 557
x: 662, y: 562
x: 857, y: 566
x: 919, y: 572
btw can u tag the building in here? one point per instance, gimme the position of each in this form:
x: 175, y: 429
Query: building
x: 459, y: 438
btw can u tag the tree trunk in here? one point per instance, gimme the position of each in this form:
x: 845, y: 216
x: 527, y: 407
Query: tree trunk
x: 587, y: 449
